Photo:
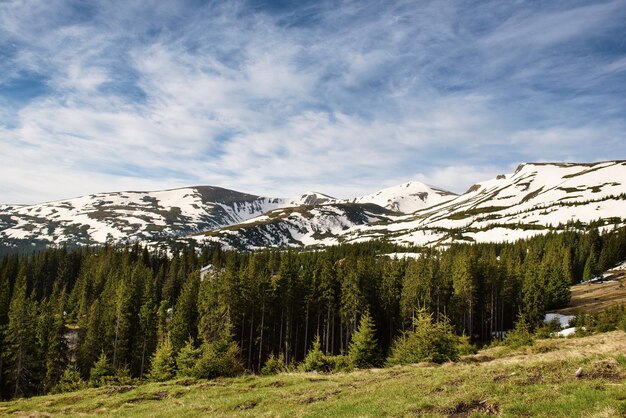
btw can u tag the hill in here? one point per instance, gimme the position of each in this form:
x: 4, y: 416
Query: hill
x: 533, y: 381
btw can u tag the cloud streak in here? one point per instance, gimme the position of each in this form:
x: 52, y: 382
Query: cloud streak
x: 342, y: 97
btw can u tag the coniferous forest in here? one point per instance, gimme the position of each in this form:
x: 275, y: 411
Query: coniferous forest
x: 91, y: 314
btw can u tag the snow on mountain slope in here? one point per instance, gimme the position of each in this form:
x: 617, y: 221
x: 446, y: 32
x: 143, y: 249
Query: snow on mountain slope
x: 300, y: 226
x: 406, y: 198
x: 130, y: 216
x: 127, y: 216
x: 310, y: 198
x: 535, y: 199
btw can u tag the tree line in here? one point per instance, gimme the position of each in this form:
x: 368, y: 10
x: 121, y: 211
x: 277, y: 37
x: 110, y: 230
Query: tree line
x: 113, y: 306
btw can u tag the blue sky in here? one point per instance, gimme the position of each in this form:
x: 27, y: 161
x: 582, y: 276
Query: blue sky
x: 280, y: 97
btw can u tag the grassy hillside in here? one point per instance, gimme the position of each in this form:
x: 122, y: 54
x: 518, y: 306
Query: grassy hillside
x: 597, y: 296
x: 533, y: 381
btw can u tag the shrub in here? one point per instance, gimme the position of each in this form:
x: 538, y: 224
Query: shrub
x: 219, y: 358
x: 520, y: 336
x: 274, y: 365
x: 100, y: 371
x: 465, y: 347
x: 339, y: 363
x: 315, y: 360
x: 430, y: 341
x: 187, y: 359
x: 70, y: 381
x: 548, y: 330
x: 163, y: 365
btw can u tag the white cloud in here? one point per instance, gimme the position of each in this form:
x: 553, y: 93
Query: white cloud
x: 362, y: 95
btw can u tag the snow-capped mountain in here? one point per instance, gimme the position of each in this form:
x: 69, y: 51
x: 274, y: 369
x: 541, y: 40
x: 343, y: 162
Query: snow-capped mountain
x: 128, y: 216
x: 298, y: 226
x: 407, y: 198
x: 535, y: 199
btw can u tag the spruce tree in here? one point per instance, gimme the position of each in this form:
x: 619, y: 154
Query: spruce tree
x: 187, y: 359
x: 364, y: 346
x: 100, y: 371
x: 20, y: 351
x: 163, y: 365
x: 184, y: 323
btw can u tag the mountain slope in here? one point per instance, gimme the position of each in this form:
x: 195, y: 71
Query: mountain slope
x: 535, y: 199
x: 127, y: 216
x: 407, y: 198
x: 298, y: 226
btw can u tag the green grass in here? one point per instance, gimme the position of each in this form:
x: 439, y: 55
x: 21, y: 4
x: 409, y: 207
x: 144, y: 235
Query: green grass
x: 533, y: 381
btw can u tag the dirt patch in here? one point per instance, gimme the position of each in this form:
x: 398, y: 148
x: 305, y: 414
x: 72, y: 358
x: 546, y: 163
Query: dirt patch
x: 187, y: 382
x: 321, y: 397
x: 275, y: 384
x: 465, y: 409
x: 118, y: 389
x: 244, y: 406
x: 608, y: 369
x: 156, y: 396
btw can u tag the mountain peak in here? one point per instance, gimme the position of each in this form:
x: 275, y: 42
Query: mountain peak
x: 407, y: 197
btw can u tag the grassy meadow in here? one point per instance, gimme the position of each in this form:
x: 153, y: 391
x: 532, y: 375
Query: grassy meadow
x: 538, y: 380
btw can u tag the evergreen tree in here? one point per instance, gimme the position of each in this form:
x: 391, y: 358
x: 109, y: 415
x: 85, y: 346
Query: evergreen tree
x: 187, y: 359
x: 363, y: 347
x: 163, y: 364
x: 20, y: 344
x: 184, y: 323
x: 56, y: 355
x: 100, y: 371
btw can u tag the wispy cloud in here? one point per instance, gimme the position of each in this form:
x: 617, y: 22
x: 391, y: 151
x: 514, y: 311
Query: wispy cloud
x: 342, y: 97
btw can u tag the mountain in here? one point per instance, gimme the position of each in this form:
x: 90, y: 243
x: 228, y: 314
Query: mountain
x: 535, y: 199
x: 129, y: 216
x: 406, y: 198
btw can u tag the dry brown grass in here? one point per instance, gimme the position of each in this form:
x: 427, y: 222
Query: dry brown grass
x: 555, y: 349
x: 596, y: 297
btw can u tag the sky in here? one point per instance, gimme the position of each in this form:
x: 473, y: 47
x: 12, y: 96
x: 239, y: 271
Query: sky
x: 276, y: 98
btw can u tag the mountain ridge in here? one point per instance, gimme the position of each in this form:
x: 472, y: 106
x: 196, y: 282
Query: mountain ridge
x: 536, y: 198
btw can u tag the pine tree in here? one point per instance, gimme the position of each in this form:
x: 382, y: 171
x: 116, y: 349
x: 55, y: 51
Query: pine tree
x: 184, y: 323
x: 20, y: 349
x: 100, y: 371
x: 56, y: 354
x: 163, y: 365
x: 187, y: 359
x: 364, y: 346
x: 147, y: 322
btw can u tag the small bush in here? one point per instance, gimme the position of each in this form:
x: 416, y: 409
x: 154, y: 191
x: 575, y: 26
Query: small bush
x: 465, y: 347
x: 70, y: 381
x: 339, y: 363
x: 274, y: 365
x: 219, y: 358
x: 430, y: 341
x: 316, y: 360
x: 163, y: 364
x: 520, y: 336
x: 364, y: 347
x: 101, y: 371
x: 548, y: 330
x: 187, y: 359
